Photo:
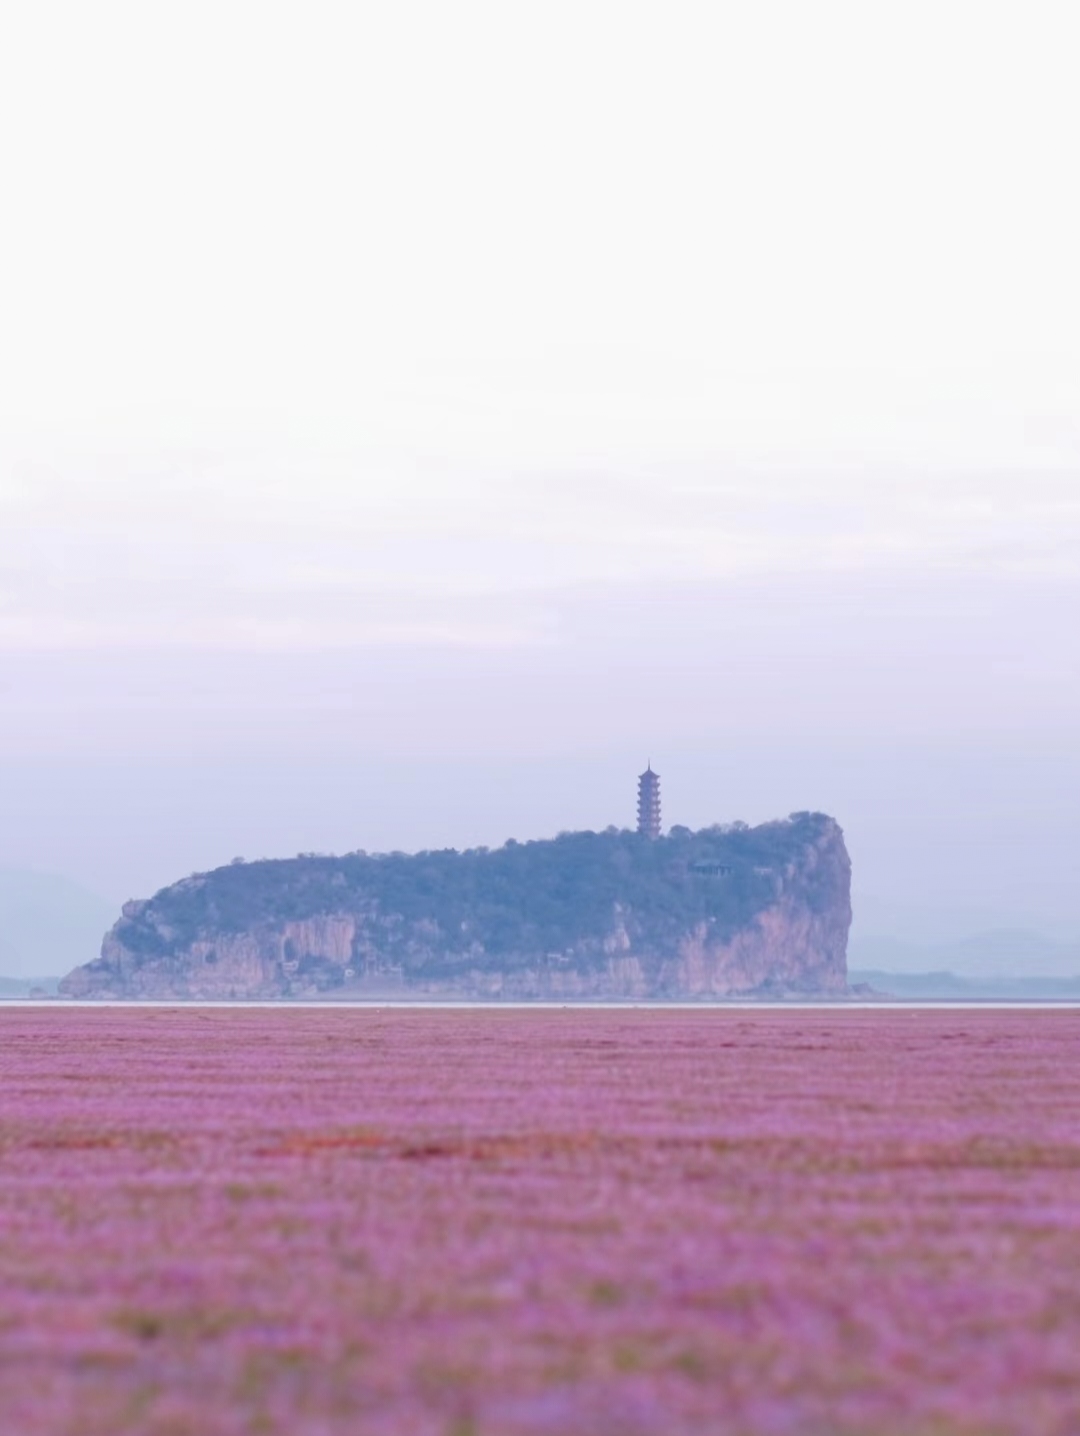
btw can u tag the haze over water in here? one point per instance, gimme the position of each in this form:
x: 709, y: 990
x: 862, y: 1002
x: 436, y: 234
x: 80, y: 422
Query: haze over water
x: 410, y: 422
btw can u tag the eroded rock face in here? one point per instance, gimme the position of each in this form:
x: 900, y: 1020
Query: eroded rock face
x: 718, y: 913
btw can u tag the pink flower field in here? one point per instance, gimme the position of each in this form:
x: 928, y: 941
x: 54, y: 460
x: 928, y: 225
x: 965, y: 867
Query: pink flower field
x: 485, y: 1223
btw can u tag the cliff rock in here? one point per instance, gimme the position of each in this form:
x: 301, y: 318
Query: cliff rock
x: 717, y: 913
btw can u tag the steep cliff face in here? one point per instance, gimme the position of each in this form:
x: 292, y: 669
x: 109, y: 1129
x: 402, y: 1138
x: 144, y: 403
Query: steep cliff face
x: 721, y: 912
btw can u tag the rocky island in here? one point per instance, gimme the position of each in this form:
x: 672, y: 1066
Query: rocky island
x: 728, y: 910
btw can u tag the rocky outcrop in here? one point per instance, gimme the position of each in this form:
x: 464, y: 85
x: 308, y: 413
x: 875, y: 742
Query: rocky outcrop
x: 723, y: 912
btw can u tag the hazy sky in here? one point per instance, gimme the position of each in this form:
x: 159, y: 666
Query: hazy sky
x: 471, y: 401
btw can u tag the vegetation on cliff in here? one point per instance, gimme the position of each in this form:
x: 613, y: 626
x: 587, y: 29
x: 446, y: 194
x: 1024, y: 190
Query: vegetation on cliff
x: 576, y: 902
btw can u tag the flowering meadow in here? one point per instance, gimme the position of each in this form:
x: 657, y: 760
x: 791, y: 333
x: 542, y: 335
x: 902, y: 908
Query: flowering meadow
x: 508, y: 1222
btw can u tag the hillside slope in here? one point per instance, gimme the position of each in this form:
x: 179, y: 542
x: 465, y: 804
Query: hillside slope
x: 722, y: 911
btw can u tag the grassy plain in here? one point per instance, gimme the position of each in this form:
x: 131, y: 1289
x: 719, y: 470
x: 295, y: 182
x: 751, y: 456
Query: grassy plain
x: 502, y: 1223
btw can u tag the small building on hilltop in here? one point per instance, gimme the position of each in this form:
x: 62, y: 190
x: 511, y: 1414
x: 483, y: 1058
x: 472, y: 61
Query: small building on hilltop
x: 648, y: 803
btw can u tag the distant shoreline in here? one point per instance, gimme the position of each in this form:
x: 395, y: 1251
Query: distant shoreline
x: 744, y: 1006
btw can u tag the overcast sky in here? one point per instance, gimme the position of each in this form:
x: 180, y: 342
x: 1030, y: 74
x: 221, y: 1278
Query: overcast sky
x: 500, y: 392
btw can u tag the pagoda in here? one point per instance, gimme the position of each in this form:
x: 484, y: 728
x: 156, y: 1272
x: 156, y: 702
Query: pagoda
x: 648, y: 803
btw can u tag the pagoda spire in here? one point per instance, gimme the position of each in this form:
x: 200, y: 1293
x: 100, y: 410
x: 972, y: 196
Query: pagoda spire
x: 648, y: 803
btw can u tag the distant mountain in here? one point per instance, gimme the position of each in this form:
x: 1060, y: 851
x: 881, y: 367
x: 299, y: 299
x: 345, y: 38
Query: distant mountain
x: 28, y: 986
x: 48, y: 924
x: 1005, y: 953
x: 946, y: 985
x: 722, y: 911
